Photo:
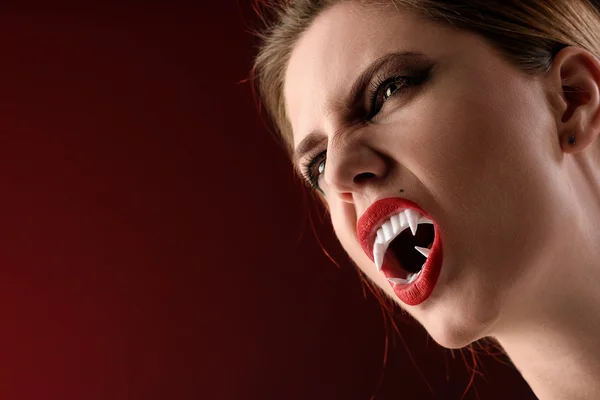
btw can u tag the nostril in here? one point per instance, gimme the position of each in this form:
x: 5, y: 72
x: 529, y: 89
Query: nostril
x: 360, y: 178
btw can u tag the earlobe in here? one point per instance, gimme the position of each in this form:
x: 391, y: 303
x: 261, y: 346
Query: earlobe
x: 575, y: 81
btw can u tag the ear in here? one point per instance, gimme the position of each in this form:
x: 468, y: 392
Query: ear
x: 574, y: 83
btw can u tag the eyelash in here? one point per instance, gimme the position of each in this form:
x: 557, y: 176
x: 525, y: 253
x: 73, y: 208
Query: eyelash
x: 377, y: 88
x: 309, y: 167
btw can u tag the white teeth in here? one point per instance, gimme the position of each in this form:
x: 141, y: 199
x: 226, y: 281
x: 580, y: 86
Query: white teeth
x: 413, y: 277
x: 423, y: 250
x: 380, y: 237
x: 392, y: 228
x: 398, y: 281
x: 425, y: 220
x: 413, y: 219
x: 378, y: 253
x: 387, y: 231
x: 410, y: 279
x: 403, y: 221
x: 395, y: 220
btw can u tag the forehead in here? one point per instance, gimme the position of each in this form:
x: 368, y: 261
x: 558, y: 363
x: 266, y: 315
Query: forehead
x: 338, y: 46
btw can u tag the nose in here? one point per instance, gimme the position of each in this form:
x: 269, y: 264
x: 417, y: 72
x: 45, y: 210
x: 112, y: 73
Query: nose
x: 353, y: 167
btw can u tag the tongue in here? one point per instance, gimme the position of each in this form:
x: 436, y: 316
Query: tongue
x: 393, y: 266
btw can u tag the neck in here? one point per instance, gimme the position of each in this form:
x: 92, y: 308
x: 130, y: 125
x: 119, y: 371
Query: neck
x: 553, y: 336
x: 559, y: 355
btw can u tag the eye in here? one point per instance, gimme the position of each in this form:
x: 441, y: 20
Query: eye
x: 313, y: 169
x: 391, y: 89
x: 382, y: 90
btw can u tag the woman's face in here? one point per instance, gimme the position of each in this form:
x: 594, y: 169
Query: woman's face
x: 469, y: 138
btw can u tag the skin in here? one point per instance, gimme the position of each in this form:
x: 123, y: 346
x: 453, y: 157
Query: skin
x: 483, y: 147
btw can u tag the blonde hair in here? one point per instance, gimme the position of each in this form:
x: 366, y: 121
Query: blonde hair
x: 527, y: 33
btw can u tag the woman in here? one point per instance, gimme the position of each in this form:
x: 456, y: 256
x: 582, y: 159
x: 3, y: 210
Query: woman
x: 455, y: 146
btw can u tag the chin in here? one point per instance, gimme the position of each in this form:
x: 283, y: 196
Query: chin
x: 455, y: 330
x: 454, y: 338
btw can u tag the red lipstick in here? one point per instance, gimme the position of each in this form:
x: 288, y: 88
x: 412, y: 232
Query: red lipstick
x: 420, y: 289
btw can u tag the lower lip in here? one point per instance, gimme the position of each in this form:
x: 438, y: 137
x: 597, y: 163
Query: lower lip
x: 421, y: 288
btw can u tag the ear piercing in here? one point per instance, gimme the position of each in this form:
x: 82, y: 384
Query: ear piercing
x: 572, y: 138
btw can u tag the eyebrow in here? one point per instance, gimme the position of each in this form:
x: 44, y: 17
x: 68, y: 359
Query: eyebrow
x: 355, y: 97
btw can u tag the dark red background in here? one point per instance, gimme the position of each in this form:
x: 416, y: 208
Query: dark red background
x: 154, y: 244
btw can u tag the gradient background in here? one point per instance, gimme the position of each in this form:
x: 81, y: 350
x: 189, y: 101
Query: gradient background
x: 154, y: 243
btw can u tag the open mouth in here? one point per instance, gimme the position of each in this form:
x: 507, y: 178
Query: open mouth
x: 411, y: 252
x: 400, y: 237
x: 404, y: 241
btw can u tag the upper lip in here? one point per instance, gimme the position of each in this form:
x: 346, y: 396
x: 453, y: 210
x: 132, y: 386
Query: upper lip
x: 376, y: 215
